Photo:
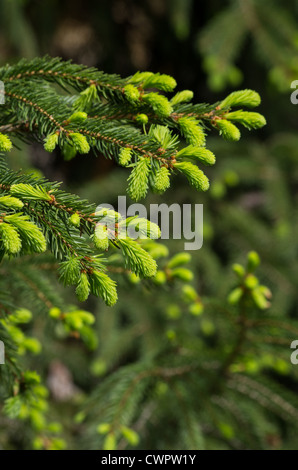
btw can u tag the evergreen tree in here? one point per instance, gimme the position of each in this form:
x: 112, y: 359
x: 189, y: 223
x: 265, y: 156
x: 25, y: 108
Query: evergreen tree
x: 194, y: 363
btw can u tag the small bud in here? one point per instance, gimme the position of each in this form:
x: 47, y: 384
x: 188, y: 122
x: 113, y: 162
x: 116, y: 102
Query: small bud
x: 103, y: 428
x: 194, y: 175
x: 189, y: 293
x: 251, y: 281
x: 200, y: 153
x: 249, y: 98
x: 32, y: 345
x: 103, y: 286
x: 161, y: 82
x: 132, y: 93
x: 171, y: 335
x: 73, y: 321
x: 98, y: 367
x: 161, y: 180
x: 183, y: 274
x: 192, y: 131
x: 78, y: 117
x: 173, y: 311
x: 22, y: 315
x: 159, y: 103
x: 179, y: 259
x: 130, y: 435
x: 75, y: 220
x: 10, y: 239
x: 247, y: 119
x: 80, y: 417
x: 80, y: 142
x: 139, y: 77
x: 196, y: 309
x: 110, y: 442
x: 138, y: 179
x: 83, y: 288
x: 253, y: 261
x: 265, y: 291
x: 141, y: 118
x: 27, y: 229
x: 87, y: 317
x: 228, y: 130
x: 239, y: 270
x: 50, y: 142
x: 259, y: 299
x: 182, y: 97
x: 125, y: 156
x: 218, y: 189
x: 158, y: 251
x: 55, y: 312
x: 160, y: 278
x: 101, y: 239
x: 207, y: 327
x: 134, y: 278
x: 11, y: 202
x: 235, y: 296
x: 231, y: 178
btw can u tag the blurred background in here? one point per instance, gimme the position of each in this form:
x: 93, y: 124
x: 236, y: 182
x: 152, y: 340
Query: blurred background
x: 211, y: 47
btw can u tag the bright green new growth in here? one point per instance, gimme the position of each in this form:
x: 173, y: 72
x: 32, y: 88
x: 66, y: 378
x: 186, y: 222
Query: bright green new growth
x: 50, y: 142
x: 174, y: 366
x: 11, y: 202
x: 161, y: 82
x: 138, y: 179
x: 75, y: 220
x: 228, y: 130
x: 28, y: 192
x: 21, y: 315
x: 140, y: 77
x: 247, y: 119
x: 80, y: 142
x: 70, y: 271
x: 159, y: 103
x: 163, y: 136
x: 195, y: 176
x: 249, y: 98
x: 83, y: 288
x: 86, y: 99
x: 79, y: 117
x: 23, y: 234
x: 10, y: 238
x: 249, y: 289
x: 199, y: 153
x: 253, y: 261
x: 179, y: 260
x: 137, y: 258
x: 141, y: 118
x: 103, y: 286
x: 161, y: 180
x: 101, y: 238
x: 145, y: 228
x: 182, y: 97
x: 131, y: 93
x: 117, y: 118
x: 125, y: 156
x: 154, y: 80
x: 5, y: 143
x: 192, y: 131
